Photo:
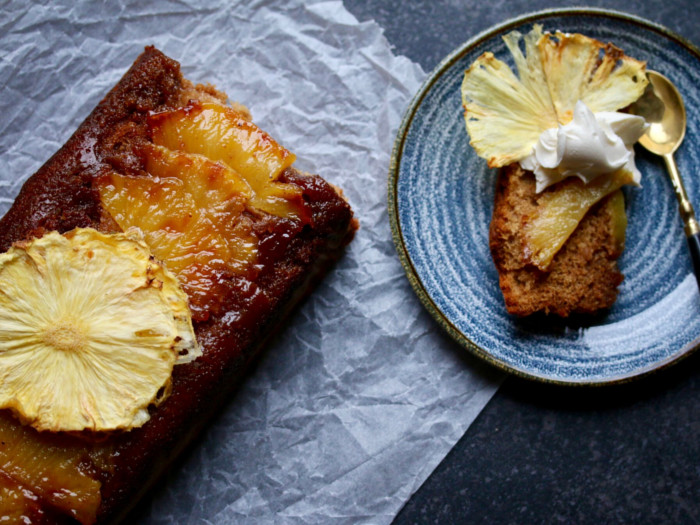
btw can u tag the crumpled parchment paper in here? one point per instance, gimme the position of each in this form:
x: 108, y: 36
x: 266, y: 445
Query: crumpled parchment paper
x: 361, y: 395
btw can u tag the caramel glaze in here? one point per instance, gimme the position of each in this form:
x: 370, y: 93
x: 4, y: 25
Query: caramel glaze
x: 292, y: 257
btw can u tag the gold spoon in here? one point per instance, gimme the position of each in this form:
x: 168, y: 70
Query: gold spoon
x: 662, y: 107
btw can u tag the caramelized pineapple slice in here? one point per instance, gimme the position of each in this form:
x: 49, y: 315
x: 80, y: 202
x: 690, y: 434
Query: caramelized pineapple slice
x: 48, y: 468
x: 616, y: 207
x: 17, y: 503
x: 189, y: 210
x: 221, y: 134
x: 560, y: 211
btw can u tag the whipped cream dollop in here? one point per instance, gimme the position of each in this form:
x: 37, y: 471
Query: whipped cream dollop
x: 592, y: 144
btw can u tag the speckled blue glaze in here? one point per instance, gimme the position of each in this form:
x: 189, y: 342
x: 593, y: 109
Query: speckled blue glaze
x: 440, y: 204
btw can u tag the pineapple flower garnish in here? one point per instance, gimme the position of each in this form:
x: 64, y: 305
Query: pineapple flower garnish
x: 558, y: 117
x: 90, y: 329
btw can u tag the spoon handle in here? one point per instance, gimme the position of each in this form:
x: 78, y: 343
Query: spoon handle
x: 690, y: 223
x: 694, y: 247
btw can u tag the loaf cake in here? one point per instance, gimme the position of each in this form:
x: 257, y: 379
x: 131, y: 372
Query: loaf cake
x: 170, y: 169
x: 563, y: 152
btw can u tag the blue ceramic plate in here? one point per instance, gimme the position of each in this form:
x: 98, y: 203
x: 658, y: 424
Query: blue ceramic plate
x: 440, y: 204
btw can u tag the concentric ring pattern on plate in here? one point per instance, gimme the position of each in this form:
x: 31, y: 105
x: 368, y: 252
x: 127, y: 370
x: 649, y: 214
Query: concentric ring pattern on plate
x: 440, y: 203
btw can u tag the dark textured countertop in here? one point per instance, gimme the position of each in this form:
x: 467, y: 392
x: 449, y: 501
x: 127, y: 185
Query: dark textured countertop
x: 545, y: 454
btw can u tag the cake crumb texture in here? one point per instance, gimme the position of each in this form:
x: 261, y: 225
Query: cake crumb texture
x: 583, y: 276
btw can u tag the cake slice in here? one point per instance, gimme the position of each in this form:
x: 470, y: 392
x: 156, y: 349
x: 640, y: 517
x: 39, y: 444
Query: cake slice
x: 218, y: 202
x: 583, y: 276
x: 563, y: 149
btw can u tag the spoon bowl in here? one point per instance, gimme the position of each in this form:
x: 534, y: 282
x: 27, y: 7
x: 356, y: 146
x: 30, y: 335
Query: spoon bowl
x: 667, y: 128
x: 662, y: 107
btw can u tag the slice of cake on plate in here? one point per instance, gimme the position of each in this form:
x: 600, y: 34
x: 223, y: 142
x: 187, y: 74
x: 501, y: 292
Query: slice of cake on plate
x: 564, y: 150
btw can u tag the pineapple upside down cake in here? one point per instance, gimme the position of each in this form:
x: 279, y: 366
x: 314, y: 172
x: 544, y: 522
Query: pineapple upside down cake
x: 144, y: 267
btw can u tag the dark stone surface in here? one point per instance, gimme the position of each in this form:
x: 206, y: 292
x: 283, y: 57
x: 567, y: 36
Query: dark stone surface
x: 544, y: 454
x: 540, y: 454
x: 427, y: 30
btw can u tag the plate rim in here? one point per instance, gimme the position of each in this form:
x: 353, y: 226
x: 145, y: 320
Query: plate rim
x: 393, y: 208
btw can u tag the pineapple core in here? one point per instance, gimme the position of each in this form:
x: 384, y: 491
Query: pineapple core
x: 65, y: 336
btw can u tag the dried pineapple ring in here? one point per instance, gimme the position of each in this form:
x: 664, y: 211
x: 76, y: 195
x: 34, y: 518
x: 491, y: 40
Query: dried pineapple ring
x: 505, y: 114
x: 90, y: 328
